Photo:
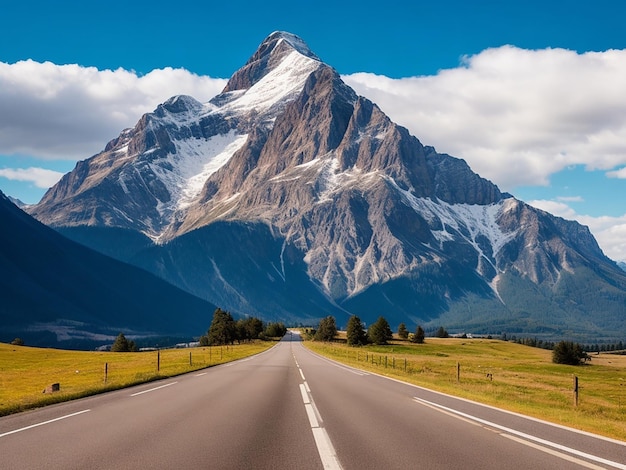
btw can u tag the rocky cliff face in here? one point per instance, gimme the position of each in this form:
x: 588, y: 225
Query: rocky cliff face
x: 329, y: 198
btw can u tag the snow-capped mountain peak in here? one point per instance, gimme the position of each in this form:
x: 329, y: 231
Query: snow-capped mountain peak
x: 294, y: 41
x: 268, y: 94
x: 288, y: 192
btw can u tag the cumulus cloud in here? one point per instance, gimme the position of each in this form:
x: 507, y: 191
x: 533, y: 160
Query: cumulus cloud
x: 621, y: 173
x: 515, y: 115
x: 610, y: 232
x: 71, y: 112
x: 41, y: 177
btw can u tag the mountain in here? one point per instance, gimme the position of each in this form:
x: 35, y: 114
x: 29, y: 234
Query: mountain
x: 17, y: 202
x: 290, y: 197
x: 56, y: 292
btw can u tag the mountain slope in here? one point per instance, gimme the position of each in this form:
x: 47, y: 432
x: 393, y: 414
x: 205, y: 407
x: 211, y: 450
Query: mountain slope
x: 57, y: 292
x: 291, y: 179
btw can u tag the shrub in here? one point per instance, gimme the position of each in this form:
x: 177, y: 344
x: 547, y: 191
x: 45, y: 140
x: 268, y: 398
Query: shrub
x: 568, y: 352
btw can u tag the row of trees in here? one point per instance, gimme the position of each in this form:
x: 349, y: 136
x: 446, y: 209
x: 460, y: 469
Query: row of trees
x: 225, y: 330
x: 378, y: 332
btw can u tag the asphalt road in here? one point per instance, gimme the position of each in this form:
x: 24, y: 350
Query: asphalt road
x: 290, y: 409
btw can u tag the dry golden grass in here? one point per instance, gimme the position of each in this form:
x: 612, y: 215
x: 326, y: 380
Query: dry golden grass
x: 508, y: 375
x: 26, y: 372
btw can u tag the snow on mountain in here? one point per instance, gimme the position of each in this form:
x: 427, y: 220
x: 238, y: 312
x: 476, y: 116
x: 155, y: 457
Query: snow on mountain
x: 477, y: 224
x: 274, y: 90
x: 186, y: 170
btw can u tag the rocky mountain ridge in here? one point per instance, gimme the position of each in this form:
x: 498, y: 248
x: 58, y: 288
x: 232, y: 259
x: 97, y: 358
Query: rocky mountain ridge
x: 329, y: 199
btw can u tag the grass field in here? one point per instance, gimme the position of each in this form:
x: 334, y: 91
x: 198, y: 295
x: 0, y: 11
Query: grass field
x: 26, y: 372
x: 507, y: 375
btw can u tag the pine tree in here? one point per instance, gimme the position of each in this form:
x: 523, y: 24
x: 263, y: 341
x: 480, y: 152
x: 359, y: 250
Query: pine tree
x: 326, y: 330
x: 380, y: 331
x: 222, y: 329
x: 403, y: 333
x: 568, y: 352
x: 120, y: 344
x: 355, y: 333
x: 419, y: 335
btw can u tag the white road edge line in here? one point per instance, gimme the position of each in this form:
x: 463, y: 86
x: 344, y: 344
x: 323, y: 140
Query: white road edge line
x: 338, y: 365
x: 483, y: 405
x: 523, y: 435
x: 153, y: 389
x: 44, y: 422
x: 556, y: 453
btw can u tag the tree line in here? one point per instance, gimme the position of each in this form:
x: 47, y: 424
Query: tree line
x: 225, y: 329
x: 378, y: 332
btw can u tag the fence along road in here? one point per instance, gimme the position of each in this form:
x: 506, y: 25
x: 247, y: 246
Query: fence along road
x: 289, y: 408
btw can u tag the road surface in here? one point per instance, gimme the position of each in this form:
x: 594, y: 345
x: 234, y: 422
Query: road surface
x: 288, y: 408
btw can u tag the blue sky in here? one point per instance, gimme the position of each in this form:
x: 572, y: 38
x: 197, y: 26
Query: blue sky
x: 527, y: 92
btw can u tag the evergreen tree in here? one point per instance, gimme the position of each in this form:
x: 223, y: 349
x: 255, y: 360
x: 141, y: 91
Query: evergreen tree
x: 326, y: 330
x: 355, y: 333
x: 275, y: 330
x: 568, y: 352
x: 419, y: 335
x: 380, y: 331
x: 222, y: 329
x: 441, y: 332
x: 249, y: 328
x: 403, y: 333
x: 121, y: 344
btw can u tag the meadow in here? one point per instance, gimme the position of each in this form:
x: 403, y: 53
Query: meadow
x: 504, y: 374
x: 26, y: 372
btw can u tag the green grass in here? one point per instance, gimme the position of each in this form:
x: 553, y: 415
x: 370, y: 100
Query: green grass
x: 26, y: 372
x: 507, y: 375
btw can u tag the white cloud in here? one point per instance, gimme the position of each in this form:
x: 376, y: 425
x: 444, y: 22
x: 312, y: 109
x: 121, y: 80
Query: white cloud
x: 621, y: 173
x: 71, y: 112
x: 560, y: 209
x: 41, y: 177
x: 610, y: 232
x: 516, y: 116
x: 570, y: 199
